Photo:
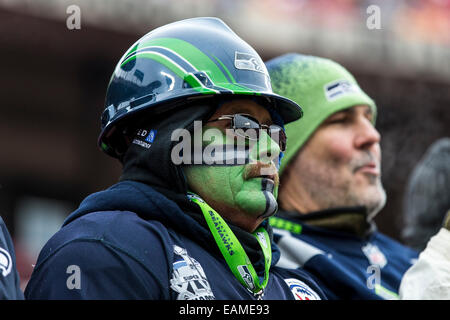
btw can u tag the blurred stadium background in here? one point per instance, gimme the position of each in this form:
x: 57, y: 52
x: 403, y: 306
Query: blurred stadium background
x: 53, y: 83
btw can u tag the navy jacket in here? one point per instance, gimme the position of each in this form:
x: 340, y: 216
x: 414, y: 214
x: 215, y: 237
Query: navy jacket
x: 346, y: 266
x: 9, y: 277
x: 132, y: 242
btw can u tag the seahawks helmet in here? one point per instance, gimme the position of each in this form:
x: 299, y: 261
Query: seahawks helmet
x: 199, y: 58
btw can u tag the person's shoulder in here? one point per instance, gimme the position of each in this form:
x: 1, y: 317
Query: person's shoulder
x: 6, y: 247
x: 386, y: 240
x: 390, y: 244
x: 4, y: 234
x: 102, y: 224
x: 129, y: 255
x: 122, y: 231
x: 120, y: 227
x: 2, y: 223
x: 9, y: 277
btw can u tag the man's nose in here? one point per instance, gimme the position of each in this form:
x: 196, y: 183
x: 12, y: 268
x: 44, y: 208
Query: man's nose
x: 367, y: 135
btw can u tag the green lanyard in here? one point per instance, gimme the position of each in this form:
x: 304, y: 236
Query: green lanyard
x: 232, y: 250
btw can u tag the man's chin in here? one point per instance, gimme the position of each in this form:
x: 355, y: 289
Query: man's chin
x: 373, y: 198
x: 258, y: 203
x: 376, y: 206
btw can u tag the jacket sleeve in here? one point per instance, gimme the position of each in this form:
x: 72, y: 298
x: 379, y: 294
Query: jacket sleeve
x: 94, y: 269
x: 429, y: 277
x: 9, y: 277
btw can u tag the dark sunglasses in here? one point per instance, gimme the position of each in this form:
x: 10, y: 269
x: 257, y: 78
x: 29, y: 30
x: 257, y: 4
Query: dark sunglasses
x: 241, y: 123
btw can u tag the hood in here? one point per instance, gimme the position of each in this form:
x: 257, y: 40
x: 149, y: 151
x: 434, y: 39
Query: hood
x: 135, y: 197
x: 180, y: 215
x: 148, y: 158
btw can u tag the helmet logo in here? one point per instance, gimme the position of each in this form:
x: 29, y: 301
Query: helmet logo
x: 246, y: 61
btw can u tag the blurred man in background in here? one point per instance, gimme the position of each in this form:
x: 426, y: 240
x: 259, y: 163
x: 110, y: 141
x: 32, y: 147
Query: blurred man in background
x: 426, y: 202
x: 330, y: 189
x: 149, y: 236
x: 427, y: 196
x: 9, y: 277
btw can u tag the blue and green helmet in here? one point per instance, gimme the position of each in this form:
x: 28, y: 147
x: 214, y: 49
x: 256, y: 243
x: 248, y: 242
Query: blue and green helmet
x: 198, y: 58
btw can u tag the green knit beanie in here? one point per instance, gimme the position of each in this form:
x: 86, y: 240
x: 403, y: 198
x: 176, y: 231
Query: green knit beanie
x: 320, y: 86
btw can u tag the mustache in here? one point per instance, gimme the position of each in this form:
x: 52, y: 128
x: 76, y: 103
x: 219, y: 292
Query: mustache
x: 368, y: 158
x: 265, y: 170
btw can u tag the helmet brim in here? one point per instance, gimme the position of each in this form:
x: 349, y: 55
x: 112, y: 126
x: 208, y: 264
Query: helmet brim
x: 287, y: 109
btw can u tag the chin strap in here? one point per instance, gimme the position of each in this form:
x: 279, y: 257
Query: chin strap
x: 232, y: 250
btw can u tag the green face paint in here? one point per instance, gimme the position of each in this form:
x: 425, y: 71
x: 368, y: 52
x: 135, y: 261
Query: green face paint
x: 226, y: 184
x: 232, y: 250
x: 231, y: 185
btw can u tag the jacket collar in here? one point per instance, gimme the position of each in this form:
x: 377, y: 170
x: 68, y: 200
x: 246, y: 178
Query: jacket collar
x: 175, y: 211
x: 350, y: 220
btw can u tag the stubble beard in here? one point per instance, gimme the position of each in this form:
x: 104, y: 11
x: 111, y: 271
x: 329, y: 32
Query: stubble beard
x: 335, y: 186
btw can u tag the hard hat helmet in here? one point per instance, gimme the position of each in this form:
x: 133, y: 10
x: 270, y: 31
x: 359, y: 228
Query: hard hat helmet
x: 198, y: 58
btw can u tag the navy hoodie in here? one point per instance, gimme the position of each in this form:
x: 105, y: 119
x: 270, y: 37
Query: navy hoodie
x: 9, y: 277
x: 131, y: 242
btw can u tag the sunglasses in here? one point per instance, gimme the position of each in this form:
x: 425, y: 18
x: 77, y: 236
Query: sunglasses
x: 248, y: 127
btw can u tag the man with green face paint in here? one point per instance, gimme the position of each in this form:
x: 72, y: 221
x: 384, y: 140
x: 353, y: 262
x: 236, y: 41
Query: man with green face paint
x: 331, y: 184
x: 188, y: 218
x: 245, y: 187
